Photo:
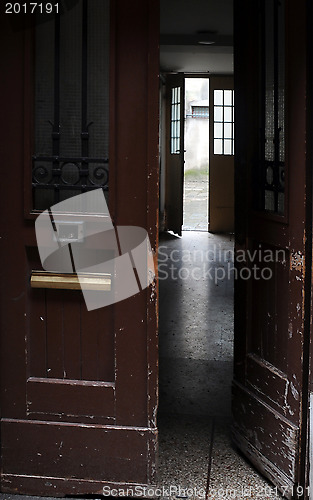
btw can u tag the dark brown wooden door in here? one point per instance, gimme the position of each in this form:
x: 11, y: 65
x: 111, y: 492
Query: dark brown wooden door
x: 78, y: 387
x: 271, y: 339
x: 175, y: 134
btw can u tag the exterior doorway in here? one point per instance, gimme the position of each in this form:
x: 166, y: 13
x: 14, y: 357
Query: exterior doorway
x: 197, y: 153
x: 196, y: 167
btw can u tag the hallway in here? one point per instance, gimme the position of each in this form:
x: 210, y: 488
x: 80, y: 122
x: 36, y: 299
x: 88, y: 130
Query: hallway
x: 196, y: 363
x: 196, y: 323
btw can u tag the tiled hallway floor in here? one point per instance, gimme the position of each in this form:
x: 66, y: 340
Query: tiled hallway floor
x: 196, y: 459
x: 196, y: 323
x: 196, y: 363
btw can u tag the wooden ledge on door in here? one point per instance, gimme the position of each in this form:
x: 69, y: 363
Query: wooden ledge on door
x: 66, y: 281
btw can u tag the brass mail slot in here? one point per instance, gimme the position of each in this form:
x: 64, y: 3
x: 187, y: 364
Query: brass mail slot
x: 86, y: 281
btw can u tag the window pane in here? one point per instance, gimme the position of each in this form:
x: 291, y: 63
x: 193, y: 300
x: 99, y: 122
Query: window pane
x: 281, y: 203
x: 218, y: 114
x: 269, y: 82
x: 228, y: 129
x: 228, y: 97
x: 228, y: 147
x: 272, y: 122
x: 269, y: 175
x: 98, y: 86
x: 218, y: 146
x: 71, y: 144
x: 269, y: 200
x: 71, y: 82
x: 44, y: 90
x: 281, y: 79
x: 218, y: 97
x: 281, y: 173
x: 173, y: 96
x: 218, y: 130
x: 177, y: 133
x: 175, y: 121
x: 228, y: 115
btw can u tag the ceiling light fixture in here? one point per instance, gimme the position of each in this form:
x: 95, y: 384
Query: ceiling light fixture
x: 206, y: 37
x: 206, y: 42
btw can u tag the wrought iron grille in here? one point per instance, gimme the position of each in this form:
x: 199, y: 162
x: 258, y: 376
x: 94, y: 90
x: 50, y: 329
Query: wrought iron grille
x: 71, y: 104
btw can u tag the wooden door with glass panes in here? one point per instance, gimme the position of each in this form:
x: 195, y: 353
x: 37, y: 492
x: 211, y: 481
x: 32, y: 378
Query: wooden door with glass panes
x: 272, y: 322
x: 221, y: 164
x: 175, y: 139
x: 78, y: 387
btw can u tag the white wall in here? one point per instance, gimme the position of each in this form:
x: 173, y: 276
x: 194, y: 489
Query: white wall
x: 196, y: 143
x: 196, y: 129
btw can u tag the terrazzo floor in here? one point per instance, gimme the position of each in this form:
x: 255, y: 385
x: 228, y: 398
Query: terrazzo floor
x: 196, y: 361
x: 197, y: 461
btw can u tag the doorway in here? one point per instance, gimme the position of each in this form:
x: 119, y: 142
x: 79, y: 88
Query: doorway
x: 54, y: 421
x: 196, y: 312
x: 263, y: 223
x: 196, y: 158
x: 197, y: 153
x: 196, y: 330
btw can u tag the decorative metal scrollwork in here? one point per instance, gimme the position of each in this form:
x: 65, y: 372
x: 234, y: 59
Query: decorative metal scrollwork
x: 41, y: 174
x: 70, y: 173
x: 75, y: 175
x: 70, y: 156
x: 101, y: 176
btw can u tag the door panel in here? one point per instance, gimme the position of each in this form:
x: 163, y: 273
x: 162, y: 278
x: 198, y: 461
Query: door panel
x: 270, y: 322
x: 76, y: 449
x: 221, y: 166
x: 78, y: 387
x: 271, y: 448
x: 175, y: 133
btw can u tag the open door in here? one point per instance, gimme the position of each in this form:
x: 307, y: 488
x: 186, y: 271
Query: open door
x: 271, y: 334
x: 221, y: 164
x: 78, y: 386
x: 175, y: 128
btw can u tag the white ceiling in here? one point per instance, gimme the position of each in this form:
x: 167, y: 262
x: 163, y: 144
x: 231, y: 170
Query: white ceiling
x: 186, y: 22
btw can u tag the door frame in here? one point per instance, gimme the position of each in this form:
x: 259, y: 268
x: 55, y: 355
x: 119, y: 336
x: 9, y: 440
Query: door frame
x: 307, y: 448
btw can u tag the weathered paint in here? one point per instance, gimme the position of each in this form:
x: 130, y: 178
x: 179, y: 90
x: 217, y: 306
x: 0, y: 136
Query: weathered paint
x: 270, y: 316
